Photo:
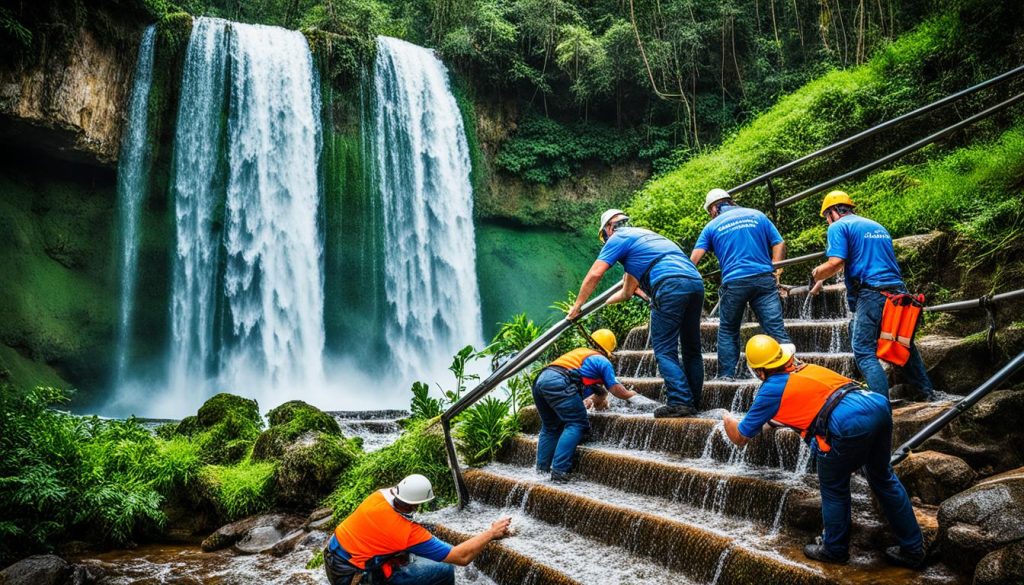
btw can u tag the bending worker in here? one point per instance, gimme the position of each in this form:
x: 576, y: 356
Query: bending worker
x: 746, y: 243
x: 380, y: 542
x: 848, y: 428
x: 665, y: 274
x: 863, y: 248
x: 559, y: 393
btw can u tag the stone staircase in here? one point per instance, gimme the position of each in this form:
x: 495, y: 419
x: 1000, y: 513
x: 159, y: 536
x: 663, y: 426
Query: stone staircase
x: 671, y: 500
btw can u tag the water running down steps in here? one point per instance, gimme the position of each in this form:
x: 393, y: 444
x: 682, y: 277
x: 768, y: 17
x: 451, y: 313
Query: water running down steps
x: 675, y: 494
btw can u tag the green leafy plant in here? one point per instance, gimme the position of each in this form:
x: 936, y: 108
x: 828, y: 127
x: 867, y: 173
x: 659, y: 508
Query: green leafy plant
x: 458, y: 369
x: 484, y: 428
x: 423, y: 405
x: 513, y: 335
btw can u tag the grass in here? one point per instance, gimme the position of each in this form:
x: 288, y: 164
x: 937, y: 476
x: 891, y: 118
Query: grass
x: 239, y: 490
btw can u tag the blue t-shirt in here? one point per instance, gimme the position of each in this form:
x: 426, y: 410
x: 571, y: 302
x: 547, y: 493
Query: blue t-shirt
x: 866, y: 248
x: 851, y: 417
x: 636, y: 248
x: 597, y: 367
x: 742, y: 239
x: 434, y: 549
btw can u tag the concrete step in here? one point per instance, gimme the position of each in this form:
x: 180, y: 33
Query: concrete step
x: 813, y: 336
x: 503, y: 563
x: 760, y: 496
x: 734, y: 396
x: 641, y: 363
x: 702, y: 554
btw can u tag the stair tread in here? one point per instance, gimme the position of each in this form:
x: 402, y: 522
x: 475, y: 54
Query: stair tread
x: 559, y: 549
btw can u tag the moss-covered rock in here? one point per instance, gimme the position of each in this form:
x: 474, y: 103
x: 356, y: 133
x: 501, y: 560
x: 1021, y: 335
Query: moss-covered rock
x: 225, y: 428
x: 310, y: 468
x: 236, y: 491
x: 288, y: 422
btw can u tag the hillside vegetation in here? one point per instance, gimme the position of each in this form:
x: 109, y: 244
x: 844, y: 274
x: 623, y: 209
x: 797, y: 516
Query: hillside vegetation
x: 969, y: 186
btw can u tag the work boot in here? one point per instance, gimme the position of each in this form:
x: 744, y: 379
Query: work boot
x: 562, y: 477
x: 674, y: 411
x: 816, y: 550
x: 897, y: 556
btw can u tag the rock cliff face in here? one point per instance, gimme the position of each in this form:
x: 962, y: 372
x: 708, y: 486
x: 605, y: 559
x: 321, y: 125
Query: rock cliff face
x: 69, y: 100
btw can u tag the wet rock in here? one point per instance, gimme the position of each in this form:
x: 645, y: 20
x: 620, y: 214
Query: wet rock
x: 262, y: 528
x: 956, y: 364
x: 259, y: 539
x: 320, y: 519
x: 37, y: 570
x: 803, y: 510
x: 310, y: 467
x: 933, y: 476
x: 982, y: 519
x: 979, y: 436
x: 1002, y: 567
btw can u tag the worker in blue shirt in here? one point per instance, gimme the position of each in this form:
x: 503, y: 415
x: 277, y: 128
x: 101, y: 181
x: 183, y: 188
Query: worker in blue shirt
x: 560, y: 392
x: 663, y: 272
x: 863, y: 248
x: 849, y: 429
x: 746, y: 243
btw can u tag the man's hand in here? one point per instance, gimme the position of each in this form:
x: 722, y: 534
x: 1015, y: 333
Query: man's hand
x: 816, y: 289
x: 732, y: 430
x: 574, y: 312
x: 500, y: 528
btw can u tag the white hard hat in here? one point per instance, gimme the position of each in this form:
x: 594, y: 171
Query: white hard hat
x: 714, y: 196
x: 606, y: 217
x: 414, y: 489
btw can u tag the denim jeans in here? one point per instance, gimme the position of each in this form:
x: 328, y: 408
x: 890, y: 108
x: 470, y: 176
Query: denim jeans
x: 675, y: 322
x: 421, y: 571
x: 762, y: 293
x: 868, y: 449
x: 563, y: 420
x: 867, y: 306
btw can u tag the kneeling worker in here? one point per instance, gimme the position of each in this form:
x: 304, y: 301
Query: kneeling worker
x: 559, y: 392
x: 851, y: 428
x: 380, y: 542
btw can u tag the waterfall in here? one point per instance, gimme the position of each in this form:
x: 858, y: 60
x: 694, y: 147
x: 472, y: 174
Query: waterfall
x: 423, y: 173
x: 274, y: 272
x: 197, y: 191
x: 132, y: 187
x: 247, y: 289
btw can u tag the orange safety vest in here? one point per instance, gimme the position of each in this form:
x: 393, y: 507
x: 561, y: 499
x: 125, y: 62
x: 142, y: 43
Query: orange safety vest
x: 574, y: 359
x: 375, y: 528
x: 806, y: 392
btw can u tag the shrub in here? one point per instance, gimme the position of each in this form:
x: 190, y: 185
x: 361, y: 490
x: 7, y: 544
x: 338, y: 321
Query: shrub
x: 241, y: 490
x: 483, y: 429
x: 423, y: 405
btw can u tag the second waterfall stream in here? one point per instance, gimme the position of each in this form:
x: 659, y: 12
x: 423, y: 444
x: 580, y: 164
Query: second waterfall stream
x: 247, y: 277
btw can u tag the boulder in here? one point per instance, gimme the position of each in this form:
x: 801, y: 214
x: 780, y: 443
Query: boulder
x: 225, y: 428
x: 256, y: 532
x: 982, y: 519
x: 1002, y: 567
x: 956, y: 364
x: 979, y: 436
x: 287, y: 423
x: 37, y: 570
x: 933, y: 476
x: 310, y: 467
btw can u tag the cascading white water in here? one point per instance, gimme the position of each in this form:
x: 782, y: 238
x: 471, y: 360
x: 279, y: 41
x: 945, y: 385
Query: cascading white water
x: 132, y: 179
x: 196, y: 192
x: 274, y: 271
x: 423, y: 172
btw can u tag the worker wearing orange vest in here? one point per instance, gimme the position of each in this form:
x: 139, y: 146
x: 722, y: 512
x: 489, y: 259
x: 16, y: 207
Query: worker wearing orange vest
x: 559, y: 392
x: 849, y: 428
x: 380, y: 542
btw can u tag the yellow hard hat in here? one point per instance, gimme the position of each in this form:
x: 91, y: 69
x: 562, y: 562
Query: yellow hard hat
x: 764, y: 352
x: 835, y: 198
x: 606, y: 339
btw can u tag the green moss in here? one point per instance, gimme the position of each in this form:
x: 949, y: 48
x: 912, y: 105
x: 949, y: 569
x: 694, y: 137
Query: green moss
x: 224, y: 429
x: 420, y: 449
x: 463, y: 93
x: 308, y: 471
x: 240, y: 490
x: 287, y: 423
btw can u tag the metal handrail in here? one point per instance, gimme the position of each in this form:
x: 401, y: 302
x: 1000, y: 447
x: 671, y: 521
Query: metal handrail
x: 899, y: 153
x: 524, y: 358
x: 876, y: 129
x: 966, y: 402
x: 978, y: 303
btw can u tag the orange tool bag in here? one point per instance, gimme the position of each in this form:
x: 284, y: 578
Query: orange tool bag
x: 899, y: 322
